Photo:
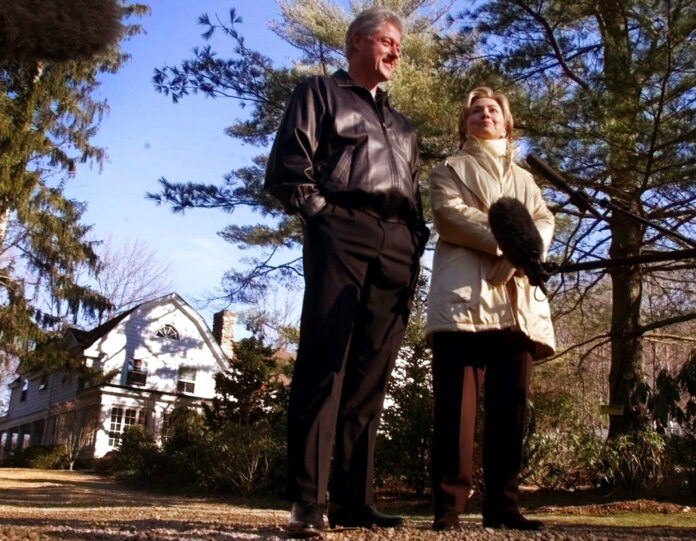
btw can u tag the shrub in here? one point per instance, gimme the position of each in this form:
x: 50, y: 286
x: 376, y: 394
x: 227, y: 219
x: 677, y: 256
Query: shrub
x: 636, y: 461
x: 248, y: 459
x: 184, y: 469
x: 186, y: 457
x: 105, y: 464
x: 234, y: 458
x: 561, y: 460
x: 681, y: 450
x: 559, y: 450
x: 402, y: 455
x: 44, y: 457
x: 137, y: 451
x: 403, y: 444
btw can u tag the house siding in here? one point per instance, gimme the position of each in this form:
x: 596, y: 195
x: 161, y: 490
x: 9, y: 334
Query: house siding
x: 59, y: 386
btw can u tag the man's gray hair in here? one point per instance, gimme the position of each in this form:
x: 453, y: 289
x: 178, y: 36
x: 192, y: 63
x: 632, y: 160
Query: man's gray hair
x: 369, y: 21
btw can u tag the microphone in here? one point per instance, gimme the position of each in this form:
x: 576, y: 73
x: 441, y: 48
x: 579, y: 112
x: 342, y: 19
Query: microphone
x: 579, y: 198
x: 518, y: 238
x: 57, y: 30
x: 521, y: 243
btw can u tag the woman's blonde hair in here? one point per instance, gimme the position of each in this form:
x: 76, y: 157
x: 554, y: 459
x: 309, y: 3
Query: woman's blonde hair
x: 485, y: 92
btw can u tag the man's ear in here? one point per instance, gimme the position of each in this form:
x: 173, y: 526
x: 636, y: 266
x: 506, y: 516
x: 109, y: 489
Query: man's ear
x: 358, y: 41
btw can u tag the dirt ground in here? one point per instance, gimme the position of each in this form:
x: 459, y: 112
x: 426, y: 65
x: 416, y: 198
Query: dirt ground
x: 61, y: 505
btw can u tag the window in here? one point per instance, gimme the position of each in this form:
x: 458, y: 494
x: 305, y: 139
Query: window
x: 137, y: 372
x: 25, y: 389
x: 122, y: 418
x: 167, y: 331
x: 187, y: 379
x: 166, y: 427
x: 43, y: 383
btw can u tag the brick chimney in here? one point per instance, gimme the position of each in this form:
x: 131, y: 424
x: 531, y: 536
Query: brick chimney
x: 223, y: 331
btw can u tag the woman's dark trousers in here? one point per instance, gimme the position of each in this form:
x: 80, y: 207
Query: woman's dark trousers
x: 359, y: 275
x: 462, y: 361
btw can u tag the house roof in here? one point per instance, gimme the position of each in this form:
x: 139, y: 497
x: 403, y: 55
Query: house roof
x: 75, y: 338
x: 87, y: 338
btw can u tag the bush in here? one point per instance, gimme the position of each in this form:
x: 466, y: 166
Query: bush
x: 559, y: 450
x: 105, y: 464
x: 234, y: 458
x: 43, y: 457
x: 403, y: 451
x: 137, y: 452
x: 249, y: 459
x: 681, y: 450
x: 635, y: 462
x: 561, y: 460
x: 402, y: 456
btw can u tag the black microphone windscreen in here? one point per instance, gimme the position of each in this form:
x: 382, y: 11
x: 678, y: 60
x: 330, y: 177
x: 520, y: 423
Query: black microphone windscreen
x: 57, y: 30
x: 515, y: 232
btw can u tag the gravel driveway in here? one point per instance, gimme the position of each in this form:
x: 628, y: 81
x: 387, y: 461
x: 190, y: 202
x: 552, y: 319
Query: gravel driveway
x: 60, y: 505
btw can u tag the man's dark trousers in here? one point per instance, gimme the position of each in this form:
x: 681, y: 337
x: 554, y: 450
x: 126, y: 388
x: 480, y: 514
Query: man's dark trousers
x: 359, y: 275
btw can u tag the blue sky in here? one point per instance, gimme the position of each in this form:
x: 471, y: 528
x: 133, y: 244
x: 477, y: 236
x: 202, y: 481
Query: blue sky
x: 147, y: 137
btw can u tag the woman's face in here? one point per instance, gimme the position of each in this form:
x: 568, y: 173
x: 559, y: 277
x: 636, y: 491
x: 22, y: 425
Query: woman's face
x: 485, y: 119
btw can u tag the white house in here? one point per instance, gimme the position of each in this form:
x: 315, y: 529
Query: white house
x: 161, y: 354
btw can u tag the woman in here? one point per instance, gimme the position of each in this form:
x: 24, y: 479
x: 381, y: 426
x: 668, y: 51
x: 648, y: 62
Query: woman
x: 485, y: 322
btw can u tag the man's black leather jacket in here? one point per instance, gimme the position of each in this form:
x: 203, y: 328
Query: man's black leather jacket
x: 337, y: 144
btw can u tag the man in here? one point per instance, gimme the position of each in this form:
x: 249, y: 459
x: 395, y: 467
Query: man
x: 346, y: 162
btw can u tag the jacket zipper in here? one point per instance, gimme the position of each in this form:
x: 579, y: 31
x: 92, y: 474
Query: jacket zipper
x: 392, y: 160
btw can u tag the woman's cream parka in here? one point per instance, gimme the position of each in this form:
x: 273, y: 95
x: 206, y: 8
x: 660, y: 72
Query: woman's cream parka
x: 462, y: 189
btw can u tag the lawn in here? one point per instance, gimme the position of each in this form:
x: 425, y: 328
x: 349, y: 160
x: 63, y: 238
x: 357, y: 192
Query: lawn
x: 67, y: 506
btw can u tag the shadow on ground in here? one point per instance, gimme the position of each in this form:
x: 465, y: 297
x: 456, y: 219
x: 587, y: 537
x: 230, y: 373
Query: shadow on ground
x: 71, y: 506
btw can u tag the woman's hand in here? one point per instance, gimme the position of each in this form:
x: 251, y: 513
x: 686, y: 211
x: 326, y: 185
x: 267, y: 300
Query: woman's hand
x: 501, y: 272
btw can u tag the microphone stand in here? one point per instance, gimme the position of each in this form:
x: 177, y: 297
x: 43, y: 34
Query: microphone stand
x: 554, y: 268
x: 582, y: 201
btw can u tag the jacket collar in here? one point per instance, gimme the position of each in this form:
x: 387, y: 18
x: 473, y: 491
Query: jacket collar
x: 341, y: 77
x: 473, y: 147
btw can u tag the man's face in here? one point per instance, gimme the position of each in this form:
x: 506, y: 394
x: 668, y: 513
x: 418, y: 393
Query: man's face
x: 376, y: 55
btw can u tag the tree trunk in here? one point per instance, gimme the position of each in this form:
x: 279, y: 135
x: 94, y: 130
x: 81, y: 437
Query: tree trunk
x: 622, y: 108
x: 626, y: 373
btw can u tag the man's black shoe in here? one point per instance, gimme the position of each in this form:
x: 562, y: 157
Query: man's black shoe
x: 448, y: 520
x: 306, y: 520
x: 363, y: 516
x: 513, y: 520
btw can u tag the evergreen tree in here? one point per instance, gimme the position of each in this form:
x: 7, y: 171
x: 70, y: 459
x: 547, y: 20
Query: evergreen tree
x: 605, y: 92
x: 48, y: 117
x: 249, y: 391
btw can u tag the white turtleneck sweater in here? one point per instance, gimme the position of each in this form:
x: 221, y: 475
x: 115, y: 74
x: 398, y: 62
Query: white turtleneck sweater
x: 498, y: 150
